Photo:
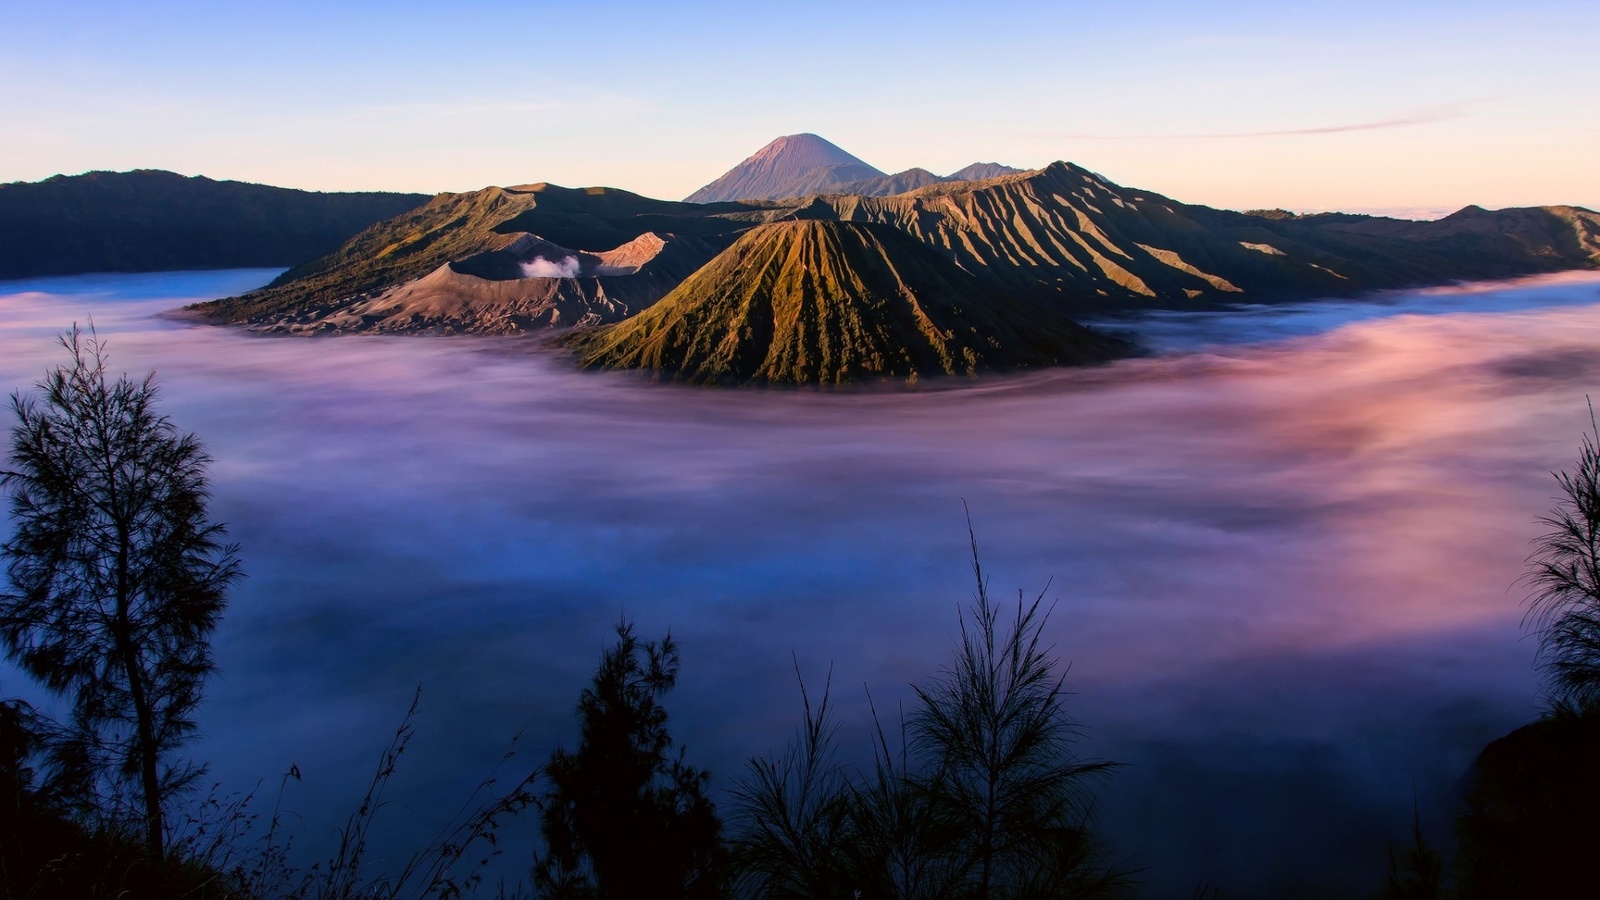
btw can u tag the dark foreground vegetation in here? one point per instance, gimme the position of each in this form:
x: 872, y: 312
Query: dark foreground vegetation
x: 116, y: 577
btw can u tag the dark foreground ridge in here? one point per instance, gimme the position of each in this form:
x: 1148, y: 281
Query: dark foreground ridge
x: 149, y: 221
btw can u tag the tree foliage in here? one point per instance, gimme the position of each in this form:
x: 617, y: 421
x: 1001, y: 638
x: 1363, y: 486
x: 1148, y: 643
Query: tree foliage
x: 995, y: 736
x: 794, y: 811
x: 1565, y: 574
x: 622, y: 816
x: 118, y: 578
x: 985, y: 796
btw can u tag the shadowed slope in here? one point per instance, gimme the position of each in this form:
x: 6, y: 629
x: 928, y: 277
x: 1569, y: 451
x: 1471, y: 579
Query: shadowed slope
x: 1561, y: 235
x: 812, y: 302
x: 149, y: 220
x: 914, y: 179
x: 982, y: 171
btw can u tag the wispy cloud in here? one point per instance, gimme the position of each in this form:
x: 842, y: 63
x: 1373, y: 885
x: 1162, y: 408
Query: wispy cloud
x: 1424, y: 117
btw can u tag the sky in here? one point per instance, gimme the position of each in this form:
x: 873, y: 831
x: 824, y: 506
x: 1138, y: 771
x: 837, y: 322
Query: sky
x: 1415, y: 108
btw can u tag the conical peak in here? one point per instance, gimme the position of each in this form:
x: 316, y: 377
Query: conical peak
x: 802, y: 152
x: 805, y: 151
x: 790, y: 166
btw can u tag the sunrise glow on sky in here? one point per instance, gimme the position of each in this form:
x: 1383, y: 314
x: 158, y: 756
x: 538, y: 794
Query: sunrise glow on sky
x: 1351, y: 105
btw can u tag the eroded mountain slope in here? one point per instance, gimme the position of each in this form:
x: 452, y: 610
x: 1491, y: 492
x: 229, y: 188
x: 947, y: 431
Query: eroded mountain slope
x: 813, y: 302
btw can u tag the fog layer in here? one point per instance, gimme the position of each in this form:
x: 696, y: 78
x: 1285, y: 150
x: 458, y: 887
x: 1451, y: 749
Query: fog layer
x: 1284, y: 569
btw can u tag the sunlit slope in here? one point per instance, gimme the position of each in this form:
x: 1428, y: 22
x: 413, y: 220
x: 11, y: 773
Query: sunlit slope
x: 794, y: 165
x: 490, y: 294
x: 814, y: 302
x: 325, y: 293
x: 1063, y: 233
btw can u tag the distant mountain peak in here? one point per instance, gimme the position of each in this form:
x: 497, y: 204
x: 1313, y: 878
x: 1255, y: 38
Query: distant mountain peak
x: 981, y: 171
x: 807, y: 150
x: 790, y: 166
x: 802, y: 165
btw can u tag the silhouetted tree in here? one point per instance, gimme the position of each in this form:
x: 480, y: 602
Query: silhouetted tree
x: 998, y: 744
x: 19, y: 740
x: 794, y: 812
x: 984, y: 796
x: 903, y: 840
x: 1565, y: 573
x: 1417, y: 872
x: 117, y: 577
x: 623, y: 817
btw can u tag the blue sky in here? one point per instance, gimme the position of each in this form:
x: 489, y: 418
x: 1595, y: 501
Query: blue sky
x: 1353, y: 105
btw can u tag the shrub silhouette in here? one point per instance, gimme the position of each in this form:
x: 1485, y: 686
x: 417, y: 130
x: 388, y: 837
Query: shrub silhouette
x: 1565, y: 574
x: 984, y: 798
x: 622, y: 817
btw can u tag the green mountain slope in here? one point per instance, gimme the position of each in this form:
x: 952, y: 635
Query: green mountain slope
x: 809, y: 302
x: 151, y: 221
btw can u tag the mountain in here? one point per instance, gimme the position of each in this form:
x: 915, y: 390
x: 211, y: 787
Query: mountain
x: 981, y: 172
x: 898, y: 183
x: 916, y: 179
x: 814, y: 302
x: 1506, y: 237
x: 793, y: 165
x: 526, y: 284
x: 456, y: 263
x: 1066, y: 236
x: 1061, y: 238
x: 151, y: 220
x: 804, y: 165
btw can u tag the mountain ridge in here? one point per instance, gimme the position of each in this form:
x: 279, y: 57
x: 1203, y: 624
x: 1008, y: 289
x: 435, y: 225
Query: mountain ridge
x: 803, y: 165
x: 1062, y: 236
x: 152, y: 220
x: 772, y: 171
x: 1039, y: 247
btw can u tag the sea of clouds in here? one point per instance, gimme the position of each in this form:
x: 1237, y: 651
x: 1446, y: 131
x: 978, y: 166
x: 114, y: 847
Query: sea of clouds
x: 1282, y: 552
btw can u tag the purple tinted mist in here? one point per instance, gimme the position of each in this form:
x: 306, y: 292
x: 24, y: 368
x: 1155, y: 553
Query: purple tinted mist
x: 1284, y: 570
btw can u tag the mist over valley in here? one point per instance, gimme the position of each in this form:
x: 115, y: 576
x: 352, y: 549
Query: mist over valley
x: 1282, y: 549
